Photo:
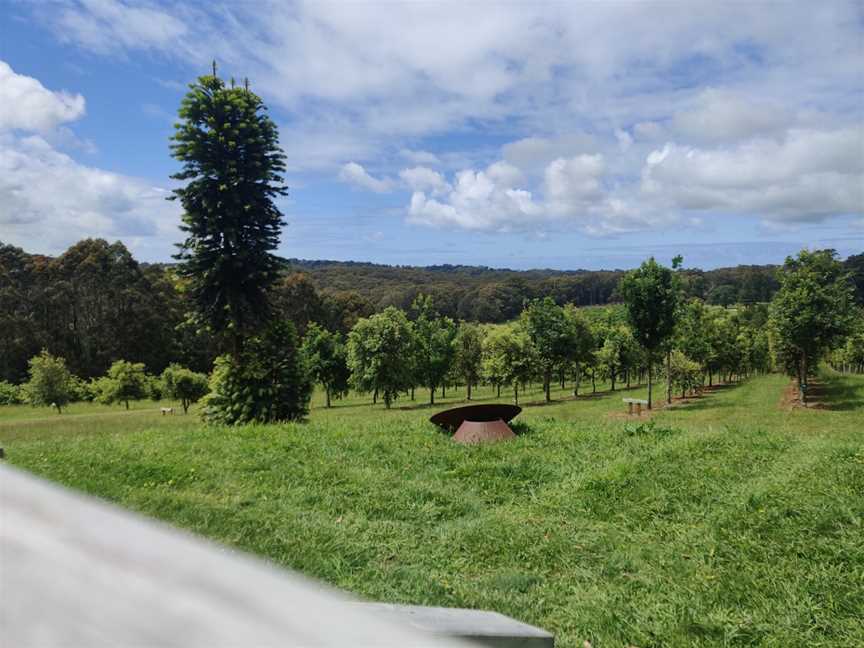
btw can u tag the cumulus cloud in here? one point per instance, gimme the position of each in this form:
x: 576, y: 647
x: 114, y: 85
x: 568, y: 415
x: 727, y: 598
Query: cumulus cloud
x: 571, y: 183
x: 721, y: 114
x: 808, y: 176
x: 25, y: 104
x: 495, y: 199
x: 355, y: 174
x: 477, y: 200
x: 48, y: 198
x: 424, y: 179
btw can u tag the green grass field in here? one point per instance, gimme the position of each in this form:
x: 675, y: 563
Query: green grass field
x: 732, y: 522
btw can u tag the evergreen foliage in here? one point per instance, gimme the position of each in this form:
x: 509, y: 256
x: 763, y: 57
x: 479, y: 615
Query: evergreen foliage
x: 232, y: 170
x: 267, y: 382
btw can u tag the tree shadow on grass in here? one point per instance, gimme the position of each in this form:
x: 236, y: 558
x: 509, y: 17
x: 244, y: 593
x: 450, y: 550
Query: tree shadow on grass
x: 841, y: 394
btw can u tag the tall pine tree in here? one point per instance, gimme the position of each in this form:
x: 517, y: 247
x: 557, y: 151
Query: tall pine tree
x: 232, y: 167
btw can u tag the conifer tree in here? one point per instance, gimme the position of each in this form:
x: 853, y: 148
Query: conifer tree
x: 232, y: 170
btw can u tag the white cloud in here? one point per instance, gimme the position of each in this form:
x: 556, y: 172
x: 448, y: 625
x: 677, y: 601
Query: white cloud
x: 648, y: 130
x: 109, y: 25
x: 424, y: 179
x: 720, y: 114
x: 494, y: 200
x: 355, y: 174
x: 477, y: 200
x: 535, y: 153
x: 420, y: 157
x: 808, y: 176
x: 25, y: 104
x: 571, y: 183
x: 48, y: 201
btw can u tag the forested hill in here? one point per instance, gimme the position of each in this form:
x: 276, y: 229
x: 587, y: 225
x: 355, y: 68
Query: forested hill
x: 95, y: 303
x: 492, y: 295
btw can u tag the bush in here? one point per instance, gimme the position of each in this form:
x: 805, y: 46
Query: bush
x: 268, y: 382
x: 82, y: 390
x: 10, y: 394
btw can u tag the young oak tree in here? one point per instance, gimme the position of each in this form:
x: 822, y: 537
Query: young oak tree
x: 435, y: 351
x: 377, y: 350
x: 232, y: 167
x: 125, y: 381
x: 551, y: 334
x: 811, y: 312
x: 651, y: 296
x: 185, y: 385
x: 469, y: 354
x: 50, y: 381
x: 327, y: 360
x: 509, y: 358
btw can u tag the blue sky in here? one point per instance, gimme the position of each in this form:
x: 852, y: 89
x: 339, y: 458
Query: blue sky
x: 566, y: 135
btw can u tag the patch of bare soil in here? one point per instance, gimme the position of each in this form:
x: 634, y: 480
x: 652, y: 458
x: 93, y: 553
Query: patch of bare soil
x: 790, y: 400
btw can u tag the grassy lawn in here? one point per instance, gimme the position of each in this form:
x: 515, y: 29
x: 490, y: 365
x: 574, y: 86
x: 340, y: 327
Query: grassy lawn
x: 732, y: 522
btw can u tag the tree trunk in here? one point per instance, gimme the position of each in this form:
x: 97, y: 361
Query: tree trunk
x: 650, y: 383
x: 431, y: 395
x: 185, y: 405
x: 516, y: 393
x: 127, y: 404
x: 375, y: 397
x: 412, y: 393
x: 469, y: 390
x: 499, y: 389
x: 802, y: 386
x: 669, y: 377
x: 547, y: 385
x: 613, y: 380
x: 386, y: 399
x: 327, y: 396
x: 627, y: 378
x: 593, y: 382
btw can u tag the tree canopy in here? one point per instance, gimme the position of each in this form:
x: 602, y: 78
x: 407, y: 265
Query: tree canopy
x: 232, y: 170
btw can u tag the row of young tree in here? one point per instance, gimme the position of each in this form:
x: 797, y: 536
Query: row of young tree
x: 812, y: 317
x: 52, y: 384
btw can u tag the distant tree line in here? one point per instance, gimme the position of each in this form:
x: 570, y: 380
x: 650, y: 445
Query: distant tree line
x: 95, y: 303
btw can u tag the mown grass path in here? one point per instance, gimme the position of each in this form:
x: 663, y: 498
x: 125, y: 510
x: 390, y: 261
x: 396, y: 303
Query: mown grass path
x: 731, y: 522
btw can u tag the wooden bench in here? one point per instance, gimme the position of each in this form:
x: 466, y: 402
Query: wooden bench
x: 638, y: 402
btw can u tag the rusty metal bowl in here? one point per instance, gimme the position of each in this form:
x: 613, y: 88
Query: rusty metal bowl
x: 451, y: 419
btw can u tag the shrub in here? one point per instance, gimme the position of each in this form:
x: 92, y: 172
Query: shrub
x: 10, y: 394
x: 268, y: 382
x: 82, y: 390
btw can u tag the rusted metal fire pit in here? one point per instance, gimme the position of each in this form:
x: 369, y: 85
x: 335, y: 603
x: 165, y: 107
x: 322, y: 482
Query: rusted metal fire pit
x: 478, y: 423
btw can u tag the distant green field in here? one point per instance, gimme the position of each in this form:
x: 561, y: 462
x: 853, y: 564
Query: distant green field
x: 732, y: 522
